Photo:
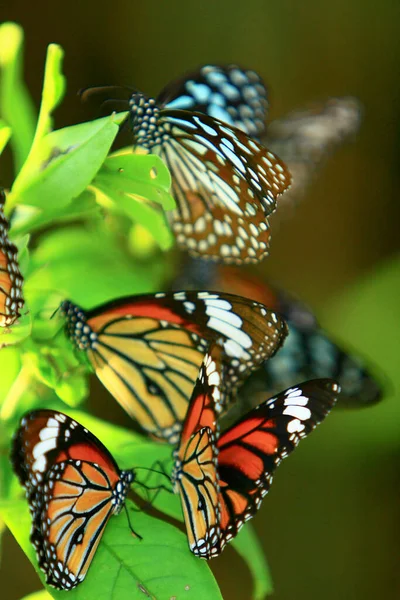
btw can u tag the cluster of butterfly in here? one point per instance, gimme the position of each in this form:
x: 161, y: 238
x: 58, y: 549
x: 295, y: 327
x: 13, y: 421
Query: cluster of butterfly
x: 176, y: 361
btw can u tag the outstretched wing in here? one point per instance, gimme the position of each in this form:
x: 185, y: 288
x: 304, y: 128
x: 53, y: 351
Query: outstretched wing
x: 251, y: 450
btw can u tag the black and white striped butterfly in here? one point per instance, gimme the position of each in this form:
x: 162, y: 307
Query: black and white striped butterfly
x: 225, y: 183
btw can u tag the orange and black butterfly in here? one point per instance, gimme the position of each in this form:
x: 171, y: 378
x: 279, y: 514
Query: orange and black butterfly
x: 222, y: 479
x: 147, y: 350
x: 73, y: 486
x: 11, y: 299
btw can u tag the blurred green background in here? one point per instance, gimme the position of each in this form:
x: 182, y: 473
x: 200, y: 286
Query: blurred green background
x: 330, y: 524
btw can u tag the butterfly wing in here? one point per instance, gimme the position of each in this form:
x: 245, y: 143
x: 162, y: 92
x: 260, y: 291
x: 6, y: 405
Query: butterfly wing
x: 225, y: 185
x: 251, y: 450
x: 68, y: 527
x: 229, y: 93
x: 195, y: 475
x: 305, y: 138
x: 309, y: 351
x: 73, y: 486
x: 11, y: 299
x: 147, y: 350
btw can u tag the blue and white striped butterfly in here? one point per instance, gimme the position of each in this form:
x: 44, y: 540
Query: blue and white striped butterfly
x: 225, y: 183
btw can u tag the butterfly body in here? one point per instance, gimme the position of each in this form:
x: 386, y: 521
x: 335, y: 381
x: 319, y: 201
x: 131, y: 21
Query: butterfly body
x: 73, y: 486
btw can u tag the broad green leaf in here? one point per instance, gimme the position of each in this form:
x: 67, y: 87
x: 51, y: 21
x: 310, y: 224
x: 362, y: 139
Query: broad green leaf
x: 137, y: 185
x: 21, y: 388
x: 161, y: 565
x: 89, y: 267
x: 156, y: 456
x: 248, y: 546
x: 16, y: 107
x: 5, y: 134
x: 142, y: 175
x: 63, y: 164
x: 59, y: 370
x: 30, y: 218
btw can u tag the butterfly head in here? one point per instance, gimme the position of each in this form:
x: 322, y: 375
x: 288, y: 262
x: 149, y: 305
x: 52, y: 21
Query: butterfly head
x: 121, y: 489
x: 77, y: 328
x: 144, y: 116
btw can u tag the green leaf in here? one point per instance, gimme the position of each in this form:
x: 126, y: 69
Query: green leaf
x: 248, y: 546
x: 17, y: 332
x: 141, y: 175
x: 30, y: 218
x: 52, y: 94
x: 58, y: 370
x: 157, y: 456
x: 89, y: 267
x: 5, y: 134
x: 136, y: 185
x: 161, y: 565
x: 10, y: 365
x: 16, y: 107
x: 63, y: 164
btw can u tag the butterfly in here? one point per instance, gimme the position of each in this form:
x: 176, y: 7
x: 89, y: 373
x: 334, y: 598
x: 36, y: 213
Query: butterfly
x: 73, y: 486
x: 305, y: 138
x: 222, y: 479
x: 224, y: 182
x: 309, y: 350
x: 11, y: 299
x: 147, y: 350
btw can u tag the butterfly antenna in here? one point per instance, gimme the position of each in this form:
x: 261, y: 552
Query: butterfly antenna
x: 159, y: 472
x: 130, y: 524
x: 150, y: 502
x: 154, y: 487
x: 86, y: 93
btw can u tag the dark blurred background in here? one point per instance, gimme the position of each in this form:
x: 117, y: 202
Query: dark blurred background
x: 330, y: 527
